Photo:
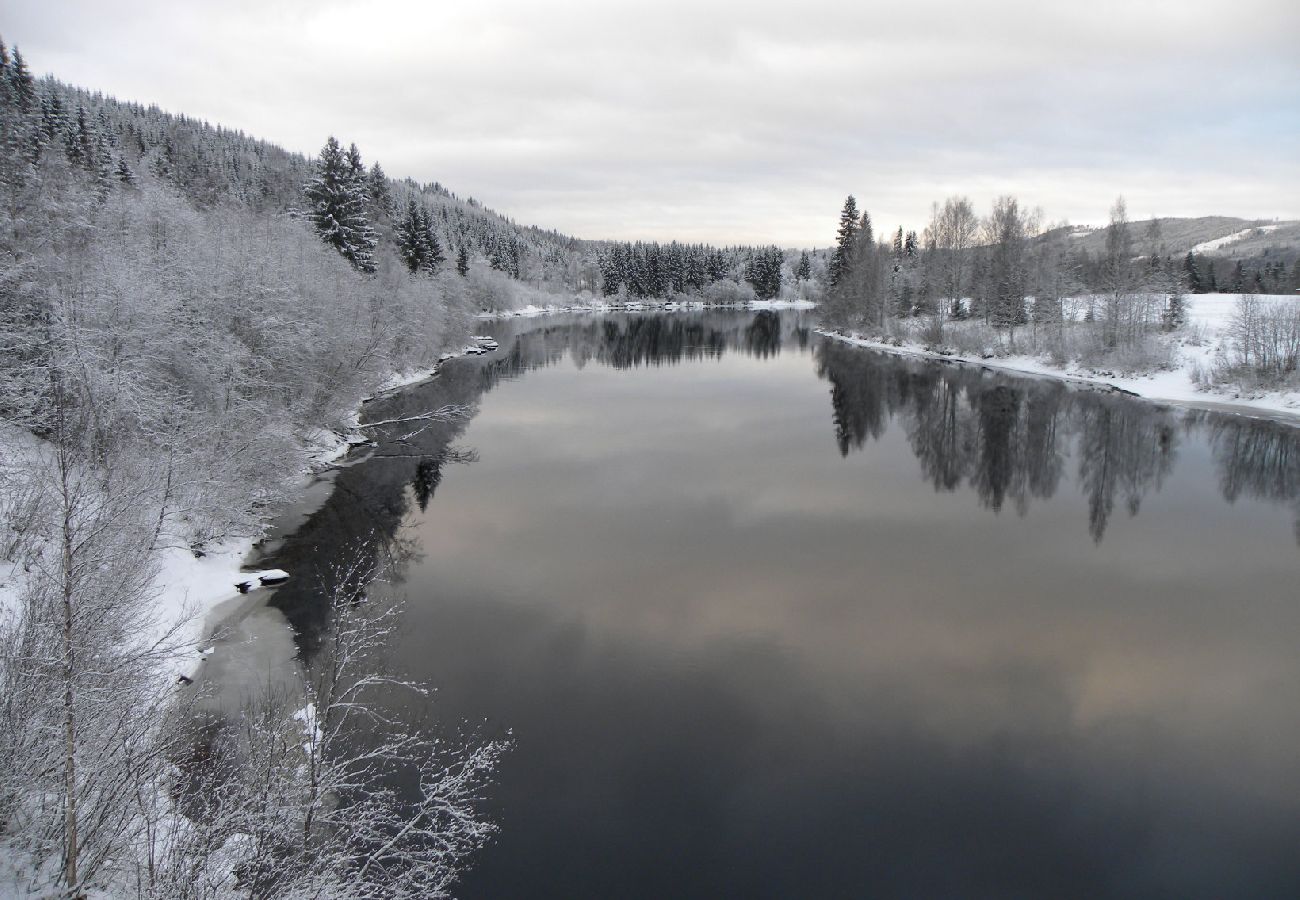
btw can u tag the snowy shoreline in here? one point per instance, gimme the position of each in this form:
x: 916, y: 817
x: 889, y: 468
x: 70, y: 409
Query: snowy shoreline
x: 1209, y: 312
x: 199, y: 595
x: 1172, y: 390
x: 597, y: 306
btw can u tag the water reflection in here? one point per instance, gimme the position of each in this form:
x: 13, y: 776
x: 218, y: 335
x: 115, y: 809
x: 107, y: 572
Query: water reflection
x: 1008, y: 440
x: 928, y: 659
x: 1005, y: 439
x: 1254, y: 459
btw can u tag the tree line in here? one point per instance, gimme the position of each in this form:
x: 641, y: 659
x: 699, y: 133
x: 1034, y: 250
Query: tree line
x: 1010, y: 269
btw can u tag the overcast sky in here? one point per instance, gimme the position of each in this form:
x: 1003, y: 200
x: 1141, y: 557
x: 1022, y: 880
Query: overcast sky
x: 733, y: 122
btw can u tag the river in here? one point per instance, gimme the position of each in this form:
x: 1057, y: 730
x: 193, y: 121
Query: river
x: 770, y: 616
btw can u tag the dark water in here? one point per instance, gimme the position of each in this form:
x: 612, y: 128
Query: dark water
x: 769, y: 616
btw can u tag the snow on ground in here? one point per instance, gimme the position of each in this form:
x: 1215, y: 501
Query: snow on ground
x: 399, y: 380
x: 782, y: 304
x: 591, y: 306
x: 1218, y: 243
x: 1208, y: 313
x: 192, y: 595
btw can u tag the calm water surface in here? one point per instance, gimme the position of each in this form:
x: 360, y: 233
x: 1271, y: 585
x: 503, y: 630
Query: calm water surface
x: 768, y: 616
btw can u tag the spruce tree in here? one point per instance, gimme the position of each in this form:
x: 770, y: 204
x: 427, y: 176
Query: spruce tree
x: 804, y: 271
x: 377, y: 190
x: 845, y: 241
x: 431, y: 249
x: 764, y: 272
x: 21, y: 84
x: 1192, y: 274
x: 1175, y: 314
x: 1238, y: 283
x: 409, y: 233
x: 462, y: 262
x: 337, y: 210
x: 123, y: 171
x: 356, y: 168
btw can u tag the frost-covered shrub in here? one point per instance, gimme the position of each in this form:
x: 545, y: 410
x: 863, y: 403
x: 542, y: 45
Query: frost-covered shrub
x: 1264, y: 342
x: 728, y: 291
x: 1151, y: 353
x: 931, y: 332
x: 973, y: 338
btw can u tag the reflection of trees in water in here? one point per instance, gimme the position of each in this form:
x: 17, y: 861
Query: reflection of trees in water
x: 1255, y: 459
x: 371, y: 500
x: 428, y: 475
x: 630, y: 341
x: 1007, y: 439
x: 1125, y: 449
x: 763, y: 335
x: 859, y: 382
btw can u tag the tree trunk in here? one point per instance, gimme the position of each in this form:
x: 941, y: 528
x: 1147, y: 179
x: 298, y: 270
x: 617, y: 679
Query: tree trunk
x: 69, y: 667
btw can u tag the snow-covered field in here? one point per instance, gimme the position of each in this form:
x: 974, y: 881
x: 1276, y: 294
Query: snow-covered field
x: 1209, y: 316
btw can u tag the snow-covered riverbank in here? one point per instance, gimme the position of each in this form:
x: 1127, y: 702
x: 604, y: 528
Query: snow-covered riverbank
x: 1194, y: 354
x: 194, y: 592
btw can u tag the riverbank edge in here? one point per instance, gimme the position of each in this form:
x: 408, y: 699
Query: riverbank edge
x: 641, y: 306
x: 1174, y: 388
x: 196, y: 595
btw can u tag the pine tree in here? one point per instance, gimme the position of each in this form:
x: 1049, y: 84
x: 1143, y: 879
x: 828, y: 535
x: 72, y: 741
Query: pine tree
x: 338, y: 206
x: 21, y: 83
x: 76, y: 140
x: 911, y: 246
x: 377, y: 190
x: 804, y: 270
x: 1238, y: 283
x: 764, y: 272
x: 845, y: 241
x: 462, y: 262
x: 432, y: 250
x: 409, y: 234
x: 356, y: 168
x: 1192, y: 274
x: 1175, y: 314
x: 123, y: 171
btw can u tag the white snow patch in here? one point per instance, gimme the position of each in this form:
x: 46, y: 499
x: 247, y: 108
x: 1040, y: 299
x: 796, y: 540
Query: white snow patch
x: 1219, y: 243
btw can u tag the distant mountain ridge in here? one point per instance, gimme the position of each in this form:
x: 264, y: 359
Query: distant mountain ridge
x: 1214, y: 235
